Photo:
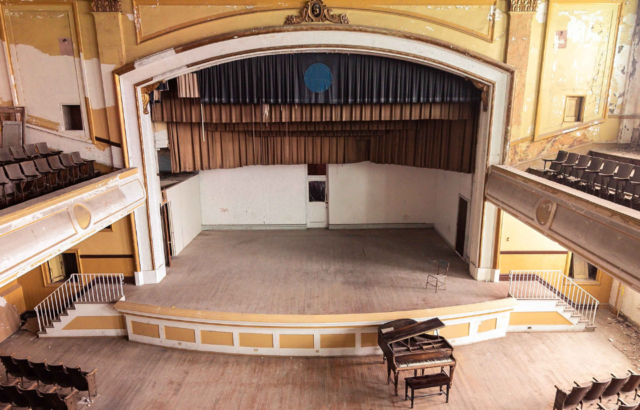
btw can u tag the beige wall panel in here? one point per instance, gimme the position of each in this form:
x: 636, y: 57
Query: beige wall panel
x: 145, y: 329
x: 510, y: 262
x: 337, y: 340
x: 216, y: 338
x: 537, y: 318
x: 34, y: 288
x: 453, y: 331
x: 487, y: 325
x: 256, y: 340
x: 296, y: 341
x: 96, y: 322
x: 116, y: 241
x: 180, y: 334
x: 369, y: 339
x: 14, y: 294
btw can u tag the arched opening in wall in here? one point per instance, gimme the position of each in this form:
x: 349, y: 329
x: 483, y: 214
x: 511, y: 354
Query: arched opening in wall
x: 362, y: 136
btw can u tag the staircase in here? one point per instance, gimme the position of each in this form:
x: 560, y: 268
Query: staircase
x: 551, y: 290
x: 91, y: 288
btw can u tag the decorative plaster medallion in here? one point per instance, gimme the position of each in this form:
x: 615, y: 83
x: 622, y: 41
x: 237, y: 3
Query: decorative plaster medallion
x: 83, y: 215
x: 316, y: 12
x: 544, y: 211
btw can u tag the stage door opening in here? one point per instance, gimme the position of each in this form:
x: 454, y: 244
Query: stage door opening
x: 317, y: 196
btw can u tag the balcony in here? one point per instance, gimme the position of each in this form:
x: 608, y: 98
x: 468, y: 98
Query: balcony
x: 604, y: 233
x: 38, y: 229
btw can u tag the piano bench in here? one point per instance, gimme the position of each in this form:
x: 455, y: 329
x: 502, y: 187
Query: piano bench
x: 427, y: 381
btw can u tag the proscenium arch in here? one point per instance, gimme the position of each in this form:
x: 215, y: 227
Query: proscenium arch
x: 139, y: 145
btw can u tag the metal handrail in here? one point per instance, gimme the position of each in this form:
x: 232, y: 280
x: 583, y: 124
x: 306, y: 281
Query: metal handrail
x: 83, y: 288
x: 553, y: 284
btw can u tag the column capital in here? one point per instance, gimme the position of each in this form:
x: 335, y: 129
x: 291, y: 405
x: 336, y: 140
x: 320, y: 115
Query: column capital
x: 523, y: 5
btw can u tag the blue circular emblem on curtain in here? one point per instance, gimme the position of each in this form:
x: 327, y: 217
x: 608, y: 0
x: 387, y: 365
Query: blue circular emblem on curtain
x: 318, y: 78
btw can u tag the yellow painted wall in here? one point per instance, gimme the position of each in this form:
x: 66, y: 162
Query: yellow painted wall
x: 537, y: 318
x: 108, y: 251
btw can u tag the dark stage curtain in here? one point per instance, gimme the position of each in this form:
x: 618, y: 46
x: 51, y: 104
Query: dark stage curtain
x: 313, y: 78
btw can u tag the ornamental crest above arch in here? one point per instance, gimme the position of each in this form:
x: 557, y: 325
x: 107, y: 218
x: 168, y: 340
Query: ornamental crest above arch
x: 316, y: 12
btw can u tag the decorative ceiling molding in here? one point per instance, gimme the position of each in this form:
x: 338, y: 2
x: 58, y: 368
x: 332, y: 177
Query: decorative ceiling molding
x: 316, y: 12
x: 106, y: 6
x: 146, y: 91
x: 523, y: 5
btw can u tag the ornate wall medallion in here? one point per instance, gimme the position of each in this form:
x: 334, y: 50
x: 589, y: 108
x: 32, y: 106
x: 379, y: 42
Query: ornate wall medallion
x: 316, y: 12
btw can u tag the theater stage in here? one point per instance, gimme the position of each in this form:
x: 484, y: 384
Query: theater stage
x: 310, y: 293
x: 315, y: 272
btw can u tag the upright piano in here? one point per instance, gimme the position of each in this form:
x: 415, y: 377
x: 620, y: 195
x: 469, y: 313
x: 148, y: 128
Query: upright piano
x: 406, y: 345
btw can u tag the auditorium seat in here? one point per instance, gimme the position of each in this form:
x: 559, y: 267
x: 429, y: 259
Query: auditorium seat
x: 14, y: 394
x: 20, y: 181
x: 86, y: 166
x: 10, y: 367
x: 26, y: 369
x: 614, y: 184
x: 74, y: 170
x: 63, y: 172
x: 5, y: 156
x: 64, y: 402
x: 587, y: 176
x: 84, y: 381
x: 36, y: 399
x: 570, y: 400
x: 632, y: 385
x: 45, y: 376
x: 18, y: 153
x: 45, y: 151
x: 560, y: 157
x: 60, y: 375
x: 53, y: 177
x: 29, y: 170
x: 31, y: 150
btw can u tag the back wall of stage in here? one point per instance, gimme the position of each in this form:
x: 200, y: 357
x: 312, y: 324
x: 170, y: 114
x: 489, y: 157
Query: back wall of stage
x: 359, y: 195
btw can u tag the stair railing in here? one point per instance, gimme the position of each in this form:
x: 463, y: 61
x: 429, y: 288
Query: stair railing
x: 553, y: 284
x: 79, y: 288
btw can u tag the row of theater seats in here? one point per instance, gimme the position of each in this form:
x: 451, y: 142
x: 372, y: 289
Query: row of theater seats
x: 612, y: 180
x: 45, y: 380
x: 613, y: 387
x: 28, y: 171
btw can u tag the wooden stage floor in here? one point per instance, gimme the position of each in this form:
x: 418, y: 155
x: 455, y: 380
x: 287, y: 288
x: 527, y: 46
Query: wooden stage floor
x: 514, y: 373
x: 314, y: 272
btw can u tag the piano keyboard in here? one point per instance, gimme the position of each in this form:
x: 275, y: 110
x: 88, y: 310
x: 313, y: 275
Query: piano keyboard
x: 440, y: 362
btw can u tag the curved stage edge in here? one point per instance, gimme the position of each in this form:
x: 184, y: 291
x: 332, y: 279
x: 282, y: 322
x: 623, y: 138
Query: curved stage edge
x: 302, y: 335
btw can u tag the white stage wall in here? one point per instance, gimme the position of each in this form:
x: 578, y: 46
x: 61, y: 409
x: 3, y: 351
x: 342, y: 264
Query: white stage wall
x: 371, y: 194
x: 360, y: 195
x: 254, y: 197
x: 184, y: 205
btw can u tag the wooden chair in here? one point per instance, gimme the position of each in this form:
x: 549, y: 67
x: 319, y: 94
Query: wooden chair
x: 84, y: 381
x: 617, y: 182
x: 63, y: 173
x: 577, y: 169
x: 74, y: 170
x: 616, y: 385
x: 37, y: 401
x: 622, y: 405
x: 439, y: 279
x: 26, y: 369
x: 603, y: 177
x: 5, y: 156
x: 587, y: 176
x: 45, y: 376
x: 31, y: 151
x: 559, y: 168
x: 598, y: 387
x: 60, y: 375
x: 8, y: 191
x: 632, y: 385
x: 10, y: 367
x: 85, y: 165
x: 19, y: 180
x: 632, y: 187
x: 58, y: 402
x: 561, y: 157
x: 18, y: 153
x: 41, y: 181
x: 5, y: 401
x: 17, y: 398
x: 53, y: 177
x: 45, y: 151
x: 570, y: 400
